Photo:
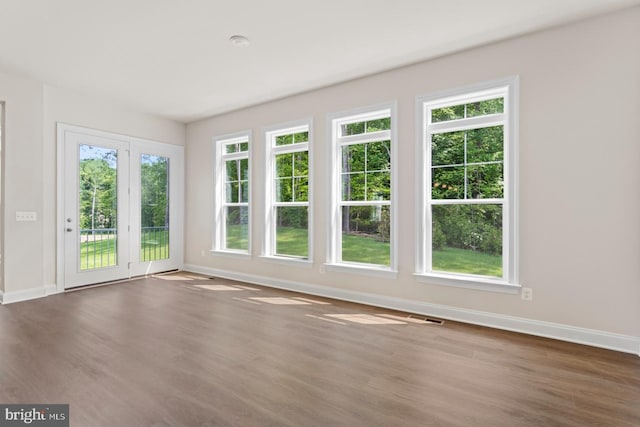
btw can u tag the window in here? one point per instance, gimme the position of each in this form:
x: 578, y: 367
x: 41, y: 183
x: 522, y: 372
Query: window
x: 362, y: 232
x: 231, y: 199
x: 468, y: 152
x: 287, y: 192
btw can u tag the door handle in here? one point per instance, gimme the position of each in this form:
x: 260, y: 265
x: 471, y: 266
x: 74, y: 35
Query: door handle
x: 69, y: 229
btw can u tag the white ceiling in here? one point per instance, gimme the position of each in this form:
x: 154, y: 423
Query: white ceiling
x: 173, y: 58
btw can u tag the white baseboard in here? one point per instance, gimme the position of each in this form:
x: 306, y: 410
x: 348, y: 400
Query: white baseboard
x: 27, y: 294
x: 53, y: 289
x: 617, y: 342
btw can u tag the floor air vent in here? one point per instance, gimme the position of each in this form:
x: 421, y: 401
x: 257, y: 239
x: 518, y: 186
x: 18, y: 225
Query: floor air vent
x: 429, y: 320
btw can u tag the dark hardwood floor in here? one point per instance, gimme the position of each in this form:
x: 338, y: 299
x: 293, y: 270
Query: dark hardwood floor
x: 164, y: 351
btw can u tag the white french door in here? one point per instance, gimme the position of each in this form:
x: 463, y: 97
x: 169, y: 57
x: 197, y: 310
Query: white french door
x: 157, y: 197
x: 120, y: 207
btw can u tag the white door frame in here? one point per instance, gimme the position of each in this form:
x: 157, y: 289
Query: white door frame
x: 137, y: 146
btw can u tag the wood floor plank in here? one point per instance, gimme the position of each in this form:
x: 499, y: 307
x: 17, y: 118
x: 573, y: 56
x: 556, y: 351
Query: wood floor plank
x: 162, y: 352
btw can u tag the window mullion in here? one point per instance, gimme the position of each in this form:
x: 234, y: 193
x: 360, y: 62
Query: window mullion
x: 365, y: 203
x: 366, y: 158
x: 466, y: 170
x: 292, y: 148
x: 383, y: 135
x: 235, y: 156
x: 293, y: 181
x: 467, y: 123
x: 285, y: 204
x: 466, y: 201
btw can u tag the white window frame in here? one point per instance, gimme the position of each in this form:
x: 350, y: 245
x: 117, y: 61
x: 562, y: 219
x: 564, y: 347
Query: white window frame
x: 507, y: 88
x: 219, y: 196
x: 334, y: 236
x: 271, y: 151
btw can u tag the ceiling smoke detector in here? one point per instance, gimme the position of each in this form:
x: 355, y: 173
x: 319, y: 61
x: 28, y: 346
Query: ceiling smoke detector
x: 239, y: 41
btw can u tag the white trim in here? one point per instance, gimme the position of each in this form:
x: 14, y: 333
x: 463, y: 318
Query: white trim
x: 513, y: 169
x: 469, y: 282
x: 591, y: 337
x: 372, y: 270
x: 361, y: 138
x: 52, y: 289
x: 28, y: 294
x: 467, y: 202
x: 230, y: 253
x: 361, y: 114
x: 60, y: 176
x: 2, y: 194
x: 366, y: 203
x: 469, y: 123
x: 290, y: 261
x: 482, y: 91
x: 420, y: 226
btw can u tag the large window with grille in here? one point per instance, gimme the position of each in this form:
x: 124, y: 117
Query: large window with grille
x: 362, y: 232
x: 468, y: 211
x: 231, y: 198
x: 287, y: 233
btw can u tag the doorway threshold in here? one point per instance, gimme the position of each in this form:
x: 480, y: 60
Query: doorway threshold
x: 113, y: 282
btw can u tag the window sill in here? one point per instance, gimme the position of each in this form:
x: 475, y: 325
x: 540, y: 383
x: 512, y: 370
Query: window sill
x: 469, y: 282
x: 230, y: 253
x: 297, y: 262
x: 368, y: 270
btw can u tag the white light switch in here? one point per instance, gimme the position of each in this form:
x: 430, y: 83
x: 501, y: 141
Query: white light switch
x: 25, y: 216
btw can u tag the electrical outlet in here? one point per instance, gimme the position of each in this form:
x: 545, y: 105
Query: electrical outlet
x: 527, y: 294
x: 202, y: 252
x: 25, y: 216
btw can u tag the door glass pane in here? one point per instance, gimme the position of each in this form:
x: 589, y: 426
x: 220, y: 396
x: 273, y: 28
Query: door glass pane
x: 98, y: 207
x: 154, y: 208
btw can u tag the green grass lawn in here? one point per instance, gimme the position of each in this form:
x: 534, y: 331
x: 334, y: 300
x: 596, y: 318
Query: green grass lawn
x: 366, y: 249
x: 154, y: 245
x: 237, y: 237
x: 466, y: 261
x: 294, y: 242
x: 98, y: 254
x: 103, y: 253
